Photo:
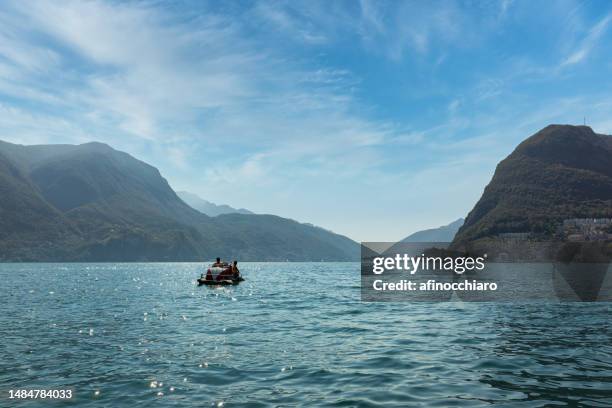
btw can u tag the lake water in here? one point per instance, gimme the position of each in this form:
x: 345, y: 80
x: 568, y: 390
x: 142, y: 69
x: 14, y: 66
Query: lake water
x: 292, y: 334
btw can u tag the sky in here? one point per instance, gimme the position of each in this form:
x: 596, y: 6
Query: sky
x: 372, y: 119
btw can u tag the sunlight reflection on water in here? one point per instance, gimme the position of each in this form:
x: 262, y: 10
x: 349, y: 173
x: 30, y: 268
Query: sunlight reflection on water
x: 291, y: 334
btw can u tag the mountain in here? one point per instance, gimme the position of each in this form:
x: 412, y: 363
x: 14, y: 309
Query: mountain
x: 28, y: 224
x: 91, y: 202
x: 273, y: 238
x: 445, y: 233
x: 560, y: 172
x: 208, y: 208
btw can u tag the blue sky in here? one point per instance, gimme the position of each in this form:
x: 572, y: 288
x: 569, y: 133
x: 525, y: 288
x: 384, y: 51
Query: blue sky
x: 373, y: 119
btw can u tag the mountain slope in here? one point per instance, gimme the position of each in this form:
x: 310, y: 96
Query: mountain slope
x: 284, y: 239
x: 208, y: 208
x: 445, y: 233
x: 28, y: 224
x: 98, y: 204
x: 121, y: 208
x: 560, y: 172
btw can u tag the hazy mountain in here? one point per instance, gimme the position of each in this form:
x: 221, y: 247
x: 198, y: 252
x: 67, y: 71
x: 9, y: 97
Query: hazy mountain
x: 93, y: 203
x: 28, y: 224
x: 445, y: 233
x: 560, y: 172
x: 208, y: 208
x: 253, y: 236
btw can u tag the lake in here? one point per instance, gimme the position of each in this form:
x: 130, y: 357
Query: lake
x: 292, y: 334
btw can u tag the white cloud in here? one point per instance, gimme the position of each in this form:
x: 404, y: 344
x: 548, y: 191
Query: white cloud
x: 393, y: 29
x: 151, y: 75
x: 589, y: 42
x: 505, y: 6
x: 400, y: 28
x: 141, y: 70
x: 25, y: 127
x: 243, y: 104
x: 282, y: 19
x: 201, y: 95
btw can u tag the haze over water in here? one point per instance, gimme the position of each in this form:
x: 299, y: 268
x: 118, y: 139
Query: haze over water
x: 292, y: 334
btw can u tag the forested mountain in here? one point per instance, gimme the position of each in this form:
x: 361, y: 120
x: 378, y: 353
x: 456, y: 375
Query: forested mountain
x: 90, y: 202
x: 560, y: 172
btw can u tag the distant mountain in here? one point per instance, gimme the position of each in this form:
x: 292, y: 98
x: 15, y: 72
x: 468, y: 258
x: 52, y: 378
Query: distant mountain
x: 560, y: 172
x: 90, y: 202
x: 445, y: 233
x: 208, y: 208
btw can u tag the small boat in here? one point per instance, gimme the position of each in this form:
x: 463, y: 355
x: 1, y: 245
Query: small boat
x: 219, y: 275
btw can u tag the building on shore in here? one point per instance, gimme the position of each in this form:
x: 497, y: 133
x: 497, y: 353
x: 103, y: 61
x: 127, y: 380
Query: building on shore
x: 587, y: 229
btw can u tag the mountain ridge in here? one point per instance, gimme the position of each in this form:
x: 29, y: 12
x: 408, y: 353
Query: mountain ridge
x: 91, y: 202
x: 558, y: 173
x: 209, y: 208
x: 444, y: 233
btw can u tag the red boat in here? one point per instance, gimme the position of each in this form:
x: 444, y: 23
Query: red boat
x: 220, y: 275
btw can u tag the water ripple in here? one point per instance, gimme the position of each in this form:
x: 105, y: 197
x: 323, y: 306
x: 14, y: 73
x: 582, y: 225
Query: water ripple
x: 146, y: 335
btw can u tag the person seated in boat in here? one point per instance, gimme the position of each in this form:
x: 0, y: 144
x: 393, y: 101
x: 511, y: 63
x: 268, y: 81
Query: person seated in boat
x: 235, y: 270
x: 218, y: 263
x: 226, y: 274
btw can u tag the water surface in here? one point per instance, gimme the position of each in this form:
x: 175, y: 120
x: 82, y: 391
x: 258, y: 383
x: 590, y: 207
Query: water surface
x: 292, y: 334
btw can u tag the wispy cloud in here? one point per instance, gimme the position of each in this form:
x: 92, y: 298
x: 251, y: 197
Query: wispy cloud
x: 155, y: 78
x: 275, y: 104
x: 589, y: 42
x: 397, y: 28
x: 284, y: 19
x: 392, y: 29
